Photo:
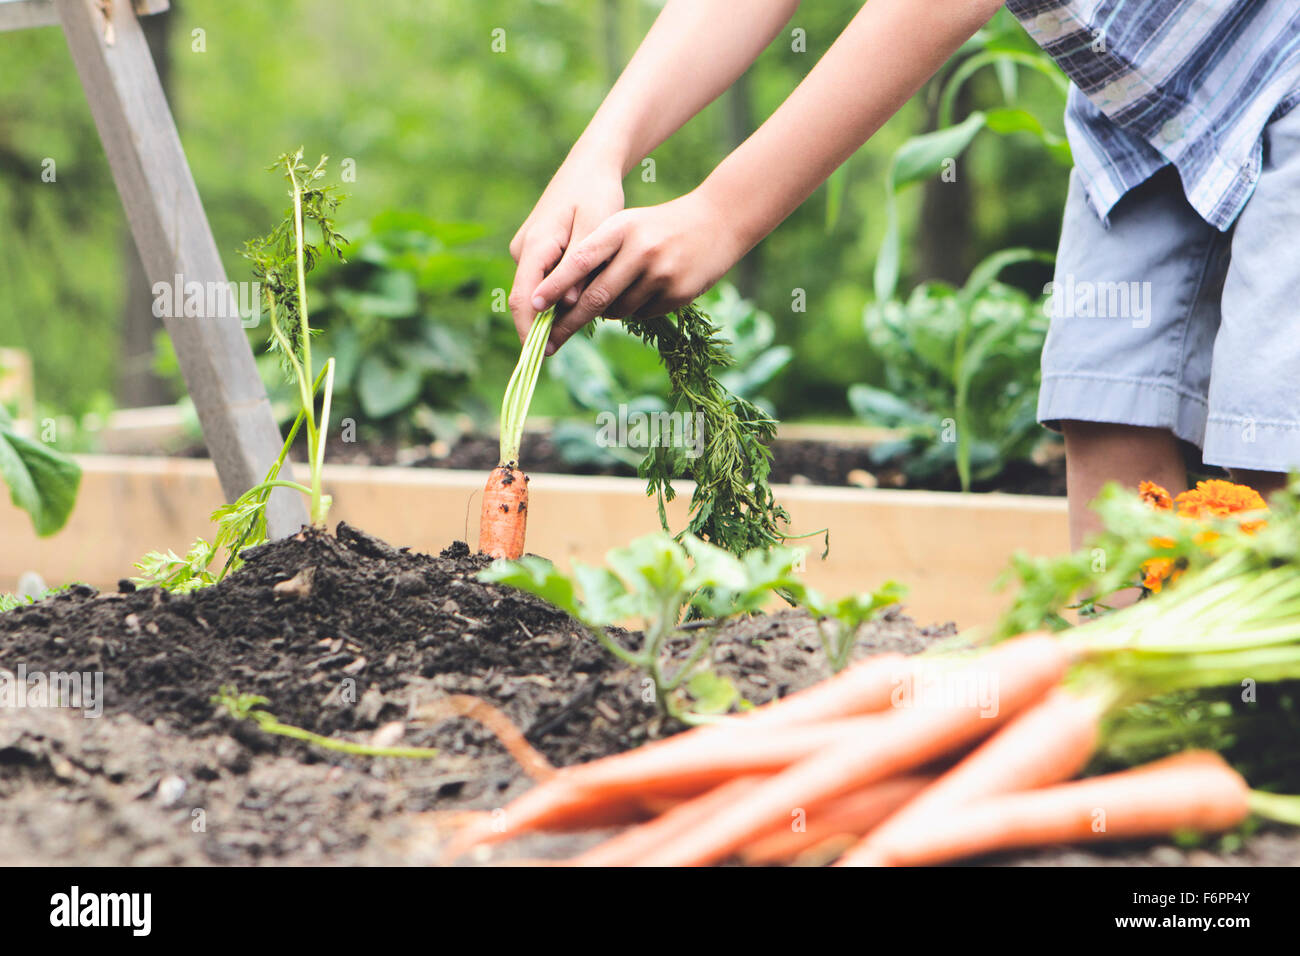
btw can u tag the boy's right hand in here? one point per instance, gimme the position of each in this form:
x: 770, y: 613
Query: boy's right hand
x: 579, y: 198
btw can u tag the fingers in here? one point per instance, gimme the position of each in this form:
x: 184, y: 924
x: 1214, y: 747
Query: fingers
x: 602, y: 291
x: 536, y: 258
x: 639, y: 294
x: 580, y: 261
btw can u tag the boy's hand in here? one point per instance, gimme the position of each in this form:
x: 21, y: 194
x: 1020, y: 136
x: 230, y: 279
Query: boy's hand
x: 640, y: 263
x: 578, y: 199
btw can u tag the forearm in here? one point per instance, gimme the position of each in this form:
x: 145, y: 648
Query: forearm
x: 695, y: 50
x: 881, y: 59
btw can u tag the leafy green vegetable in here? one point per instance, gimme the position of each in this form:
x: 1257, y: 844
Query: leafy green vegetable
x: 610, y: 370
x: 840, y: 619
x: 961, y: 375
x: 733, y: 505
x: 41, y: 481
x: 658, y: 580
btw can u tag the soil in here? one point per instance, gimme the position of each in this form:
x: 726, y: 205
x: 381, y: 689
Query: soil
x: 347, y: 636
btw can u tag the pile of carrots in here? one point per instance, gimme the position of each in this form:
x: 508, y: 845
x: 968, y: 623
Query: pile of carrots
x: 885, y: 765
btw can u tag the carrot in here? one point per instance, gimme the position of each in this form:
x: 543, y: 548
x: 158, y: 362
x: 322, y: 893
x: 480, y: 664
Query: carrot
x: 860, y: 689
x: 626, y: 848
x: 850, y: 815
x: 491, y: 718
x: 1196, y: 791
x: 504, y: 520
x: 909, y: 737
x: 575, y: 796
x: 1048, y: 743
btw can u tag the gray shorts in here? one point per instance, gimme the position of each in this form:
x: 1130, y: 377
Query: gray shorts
x: 1159, y: 319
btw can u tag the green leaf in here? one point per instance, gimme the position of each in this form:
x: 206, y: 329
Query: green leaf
x: 41, y: 481
x: 385, y: 387
x: 536, y: 576
x: 923, y: 156
x: 879, y: 407
x: 712, y: 693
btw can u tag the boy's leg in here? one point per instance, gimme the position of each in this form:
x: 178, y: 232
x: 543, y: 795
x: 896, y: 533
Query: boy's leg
x: 1097, y: 453
x: 1126, y: 366
x: 1254, y: 397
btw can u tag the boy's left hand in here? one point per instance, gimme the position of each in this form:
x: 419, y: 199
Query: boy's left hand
x: 642, y: 263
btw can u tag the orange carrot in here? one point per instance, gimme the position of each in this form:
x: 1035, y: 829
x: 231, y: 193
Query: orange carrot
x: 860, y: 689
x: 504, y: 519
x: 1048, y: 743
x: 628, y: 847
x: 1191, y: 791
x: 1024, y: 669
x: 576, y: 796
x: 491, y: 718
x: 851, y: 815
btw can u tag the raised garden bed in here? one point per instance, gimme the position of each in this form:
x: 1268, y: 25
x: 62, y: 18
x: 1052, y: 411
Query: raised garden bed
x: 160, y: 778
x: 948, y: 548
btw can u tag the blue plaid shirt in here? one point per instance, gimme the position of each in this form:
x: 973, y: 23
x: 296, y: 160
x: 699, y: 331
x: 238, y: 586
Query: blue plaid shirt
x: 1187, y: 82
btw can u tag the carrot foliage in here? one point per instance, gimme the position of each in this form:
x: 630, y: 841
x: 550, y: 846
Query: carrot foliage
x: 733, y: 506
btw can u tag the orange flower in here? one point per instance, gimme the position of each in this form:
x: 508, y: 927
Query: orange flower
x: 1156, y: 570
x: 1209, y: 499
x: 1217, y: 498
x: 1155, y: 496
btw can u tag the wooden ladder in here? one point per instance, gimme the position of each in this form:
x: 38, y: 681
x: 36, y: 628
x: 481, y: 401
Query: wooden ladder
x: 171, y: 232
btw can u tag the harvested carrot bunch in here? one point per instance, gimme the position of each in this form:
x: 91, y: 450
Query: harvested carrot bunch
x: 1024, y: 740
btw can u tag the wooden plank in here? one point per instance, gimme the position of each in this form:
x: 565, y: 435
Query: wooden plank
x: 948, y: 548
x: 172, y: 234
x: 26, y: 14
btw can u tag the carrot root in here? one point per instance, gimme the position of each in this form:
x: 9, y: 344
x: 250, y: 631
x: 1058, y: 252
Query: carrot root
x: 1192, y: 791
x: 503, y: 521
x: 927, y: 726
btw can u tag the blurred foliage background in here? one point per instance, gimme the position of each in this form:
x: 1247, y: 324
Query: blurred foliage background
x: 452, y: 143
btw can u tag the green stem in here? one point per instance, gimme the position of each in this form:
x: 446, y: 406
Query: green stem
x: 1279, y: 807
x: 269, y: 723
x: 519, y: 391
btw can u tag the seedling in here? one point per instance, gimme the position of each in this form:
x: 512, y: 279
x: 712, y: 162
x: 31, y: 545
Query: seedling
x: 658, y: 580
x: 840, y: 620
x: 281, y: 261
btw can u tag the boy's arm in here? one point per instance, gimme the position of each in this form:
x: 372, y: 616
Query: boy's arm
x: 693, y: 53
x: 658, y: 258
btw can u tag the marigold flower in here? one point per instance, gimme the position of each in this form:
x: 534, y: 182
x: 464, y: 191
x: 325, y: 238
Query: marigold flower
x: 1217, y: 498
x: 1155, y: 496
x: 1156, y: 570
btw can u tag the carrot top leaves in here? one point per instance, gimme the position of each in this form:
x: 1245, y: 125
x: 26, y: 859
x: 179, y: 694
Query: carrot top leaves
x: 733, y: 506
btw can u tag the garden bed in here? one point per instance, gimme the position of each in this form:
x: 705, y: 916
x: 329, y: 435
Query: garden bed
x: 162, y: 777
x: 949, y: 549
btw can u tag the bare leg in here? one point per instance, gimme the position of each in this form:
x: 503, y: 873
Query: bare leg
x: 1098, y: 453
x: 1265, y: 482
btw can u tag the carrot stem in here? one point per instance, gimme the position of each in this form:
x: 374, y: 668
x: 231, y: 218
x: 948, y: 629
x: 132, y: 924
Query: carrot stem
x: 519, y: 391
x: 1278, y: 807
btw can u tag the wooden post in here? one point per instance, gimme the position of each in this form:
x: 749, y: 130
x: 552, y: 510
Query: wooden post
x: 172, y: 234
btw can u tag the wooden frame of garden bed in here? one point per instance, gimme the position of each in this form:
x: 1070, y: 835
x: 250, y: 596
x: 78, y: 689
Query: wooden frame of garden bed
x: 949, y: 548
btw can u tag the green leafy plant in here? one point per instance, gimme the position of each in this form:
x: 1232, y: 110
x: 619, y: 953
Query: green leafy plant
x: 733, y: 505
x: 281, y: 262
x: 840, y: 620
x: 1007, y: 49
x: 961, y: 371
x: 42, y: 481
x: 608, y: 370
x: 660, y: 581
x: 406, y: 320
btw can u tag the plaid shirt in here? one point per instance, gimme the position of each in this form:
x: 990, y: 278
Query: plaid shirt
x: 1187, y: 82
